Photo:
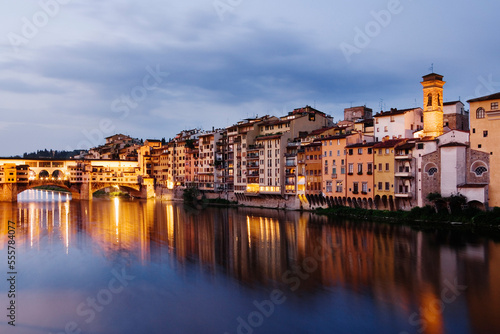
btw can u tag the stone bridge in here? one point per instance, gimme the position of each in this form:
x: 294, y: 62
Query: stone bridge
x: 80, y: 177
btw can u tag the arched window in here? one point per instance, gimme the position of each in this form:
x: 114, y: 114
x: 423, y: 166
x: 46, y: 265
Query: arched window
x: 432, y: 171
x: 439, y: 100
x: 480, y: 170
x: 430, y: 168
x: 480, y: 113
x: 429, y: 100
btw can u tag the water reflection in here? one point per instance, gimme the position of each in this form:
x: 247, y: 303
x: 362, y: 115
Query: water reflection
x: 397, y: 279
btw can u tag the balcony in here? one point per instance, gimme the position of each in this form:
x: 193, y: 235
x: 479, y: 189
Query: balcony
x: 334, y: 176
x: 403, y: 156
x: 403, y: 195
x: 404, y: 172
x: 254, y: 147
x: 252, y: 156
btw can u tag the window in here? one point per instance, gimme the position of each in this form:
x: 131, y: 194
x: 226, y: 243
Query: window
x: 387, y: 186
x: 350, y: 151
x: 494, y: 105
x: 326, y: 170
x: 328, y: 186
x: 360, y: 151
x: 420, y: 146
x: 387, y: 166
x: 485, y: 133
x: 432, y: 171
x: 369, y: 150
x: 478, y: 145
x: 330, y: 153
x: 392, y: 118
x: 480, y: 113
x: 480, y: 170
x: 386, y: 151
x: 429, y: 100
x: 380, y: 167
x: 334, y: 171
x: 370, y: 168
x: 342, y: 170
x: 338, y: 153
x: 351, y: 168
x: 355, y: 187
x: 364, y: 187
x: 385, y: 129
x: 338, y: 187
x: 360, y: 169
x: 380, y: 186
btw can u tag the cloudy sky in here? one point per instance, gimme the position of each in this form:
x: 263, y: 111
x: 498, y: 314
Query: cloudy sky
x: 73, y: 72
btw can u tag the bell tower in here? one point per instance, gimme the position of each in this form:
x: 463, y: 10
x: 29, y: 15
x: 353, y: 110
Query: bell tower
x: 433, y: 104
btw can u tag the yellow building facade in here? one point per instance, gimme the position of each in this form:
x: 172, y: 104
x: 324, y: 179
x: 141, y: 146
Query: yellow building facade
x: 485, y: 136
x: 384, y: 173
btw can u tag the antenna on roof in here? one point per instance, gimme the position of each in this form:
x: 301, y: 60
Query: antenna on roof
x: 432, y: 68
x: 381, y: 105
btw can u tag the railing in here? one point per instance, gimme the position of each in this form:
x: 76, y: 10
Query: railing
x: 403, y: 156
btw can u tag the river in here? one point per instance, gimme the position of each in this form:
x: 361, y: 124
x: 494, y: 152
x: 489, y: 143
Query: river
x: 130, y: 266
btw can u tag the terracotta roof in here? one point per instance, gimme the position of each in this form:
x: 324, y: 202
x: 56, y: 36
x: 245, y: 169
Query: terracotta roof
x: 360, y: 145
x: 452, y: 144
x: 319, y: 131
x: 393, y: 111
x: 486, y: 98
x: 452, y: 102
x: 406, y: 145
x: 333, y: 137
x: 388, y: 143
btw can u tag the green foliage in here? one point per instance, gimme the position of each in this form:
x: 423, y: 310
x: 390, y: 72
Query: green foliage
x: 190, y: 143
x: 433, y: 196
x: 191, y: 195
x: 467, y: 215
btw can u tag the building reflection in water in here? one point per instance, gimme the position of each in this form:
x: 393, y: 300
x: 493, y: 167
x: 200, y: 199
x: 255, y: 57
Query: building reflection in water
x: 400, y: 268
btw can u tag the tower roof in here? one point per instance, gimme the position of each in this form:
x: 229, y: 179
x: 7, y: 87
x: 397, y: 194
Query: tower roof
x: 432, y: 77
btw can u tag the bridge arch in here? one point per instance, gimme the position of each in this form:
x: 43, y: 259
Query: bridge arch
x: 58, y: 175
x: 43, y: 174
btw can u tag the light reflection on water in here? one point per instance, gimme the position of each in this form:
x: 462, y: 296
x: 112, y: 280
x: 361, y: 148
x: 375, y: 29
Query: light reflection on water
x: 206, y: 271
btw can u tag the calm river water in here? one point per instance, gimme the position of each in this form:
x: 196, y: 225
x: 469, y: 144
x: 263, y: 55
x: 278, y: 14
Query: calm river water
x: 121, y: 266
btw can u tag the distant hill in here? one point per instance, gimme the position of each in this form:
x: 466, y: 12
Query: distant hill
x: 51, y: 154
